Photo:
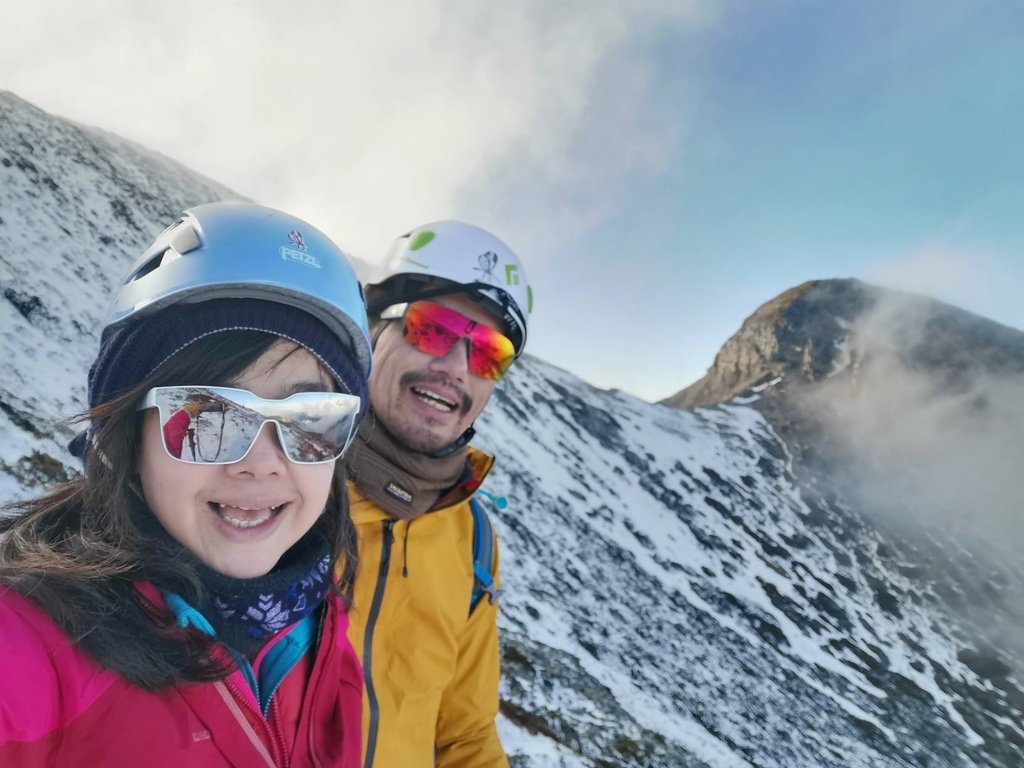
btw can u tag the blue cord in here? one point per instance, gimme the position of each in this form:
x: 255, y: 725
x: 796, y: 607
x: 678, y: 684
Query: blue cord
x: 187, y: 615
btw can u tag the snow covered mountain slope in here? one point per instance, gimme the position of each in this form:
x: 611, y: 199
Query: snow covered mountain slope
x: 734, y: 617
x: 910, y: 411
x: 678, y: 590
x: 76, y: 207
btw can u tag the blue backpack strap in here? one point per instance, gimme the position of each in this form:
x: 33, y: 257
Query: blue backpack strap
x: 483, y: 556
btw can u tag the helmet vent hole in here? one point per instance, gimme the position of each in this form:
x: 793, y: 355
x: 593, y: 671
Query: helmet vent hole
x: 146, y: 268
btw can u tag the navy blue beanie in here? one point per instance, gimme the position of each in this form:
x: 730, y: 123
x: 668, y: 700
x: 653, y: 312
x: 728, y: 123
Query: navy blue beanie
x: 130, y: 354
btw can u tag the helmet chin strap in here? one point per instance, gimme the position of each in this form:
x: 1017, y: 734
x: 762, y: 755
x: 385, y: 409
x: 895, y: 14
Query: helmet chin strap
x: 461, y: 442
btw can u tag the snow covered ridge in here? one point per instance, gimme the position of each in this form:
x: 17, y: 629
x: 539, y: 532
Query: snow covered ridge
x: 77, y: 206
x: 712, y: 614
x: 680, y: 590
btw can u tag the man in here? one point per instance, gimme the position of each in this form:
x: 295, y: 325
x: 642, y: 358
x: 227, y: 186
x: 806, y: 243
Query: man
x: 447, y: 320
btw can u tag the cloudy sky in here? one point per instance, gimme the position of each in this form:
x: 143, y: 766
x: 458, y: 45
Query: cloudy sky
x: 663, y: 167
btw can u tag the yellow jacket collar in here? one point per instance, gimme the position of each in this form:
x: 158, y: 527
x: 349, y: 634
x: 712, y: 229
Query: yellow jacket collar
x: 478, y: 465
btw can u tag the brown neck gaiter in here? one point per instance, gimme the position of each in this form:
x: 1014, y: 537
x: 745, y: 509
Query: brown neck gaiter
x: 402, y: 482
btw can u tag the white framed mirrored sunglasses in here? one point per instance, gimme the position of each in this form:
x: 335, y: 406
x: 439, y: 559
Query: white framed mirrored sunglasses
x: 219, y: 425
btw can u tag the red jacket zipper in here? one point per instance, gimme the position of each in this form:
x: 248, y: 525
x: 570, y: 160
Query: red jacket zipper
x: 276, y: 744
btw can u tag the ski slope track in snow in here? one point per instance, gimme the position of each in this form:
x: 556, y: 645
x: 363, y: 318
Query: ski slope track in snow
x: 676, y: 594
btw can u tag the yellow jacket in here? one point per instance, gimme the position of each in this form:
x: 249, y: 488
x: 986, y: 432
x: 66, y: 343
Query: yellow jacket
x: 431, y: 669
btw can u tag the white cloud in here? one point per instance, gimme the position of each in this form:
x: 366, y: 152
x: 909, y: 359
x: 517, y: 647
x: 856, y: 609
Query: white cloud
x: 929, y: 417
x: 936, y: 269
x: 370, y: 118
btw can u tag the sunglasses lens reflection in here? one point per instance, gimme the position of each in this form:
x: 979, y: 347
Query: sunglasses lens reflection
x: 435, y: 329
x: 218, y: 425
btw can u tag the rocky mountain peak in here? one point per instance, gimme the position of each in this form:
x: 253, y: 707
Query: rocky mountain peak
x: 795, y: 333
x: 822, y: 327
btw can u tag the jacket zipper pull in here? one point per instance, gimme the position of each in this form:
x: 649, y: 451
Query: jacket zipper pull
x: 405, y: 550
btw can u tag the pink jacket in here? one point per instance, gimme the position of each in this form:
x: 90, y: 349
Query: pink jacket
x: 59, y: 708
x: 175, y: 432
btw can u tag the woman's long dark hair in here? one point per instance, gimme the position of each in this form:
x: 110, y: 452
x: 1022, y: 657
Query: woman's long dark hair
x: 77, y: 551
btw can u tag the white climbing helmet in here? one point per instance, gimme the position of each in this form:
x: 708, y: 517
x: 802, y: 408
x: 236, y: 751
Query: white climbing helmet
x: 448, y: 257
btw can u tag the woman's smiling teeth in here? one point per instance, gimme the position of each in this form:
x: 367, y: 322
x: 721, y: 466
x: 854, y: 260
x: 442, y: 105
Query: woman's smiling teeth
x: 434, y: 400
x: 244, y: 517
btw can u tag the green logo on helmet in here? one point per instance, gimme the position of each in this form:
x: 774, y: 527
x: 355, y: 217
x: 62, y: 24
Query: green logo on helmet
x: 421, y: 240
x: 511, y: 274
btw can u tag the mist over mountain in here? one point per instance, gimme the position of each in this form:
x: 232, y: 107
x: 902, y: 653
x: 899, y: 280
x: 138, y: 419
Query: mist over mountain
x: 798, y: 564
x: 907, y: 407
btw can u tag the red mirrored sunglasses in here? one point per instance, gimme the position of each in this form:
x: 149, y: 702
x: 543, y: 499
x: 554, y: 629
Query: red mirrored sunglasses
x: 435, y: 329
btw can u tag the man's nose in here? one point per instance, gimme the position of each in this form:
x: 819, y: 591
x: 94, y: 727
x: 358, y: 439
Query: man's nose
x: 455, y: 362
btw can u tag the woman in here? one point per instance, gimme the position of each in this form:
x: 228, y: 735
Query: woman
x: 176, y: 607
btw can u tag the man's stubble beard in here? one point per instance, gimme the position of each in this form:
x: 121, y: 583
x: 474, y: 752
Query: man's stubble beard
x: 420, y: 438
